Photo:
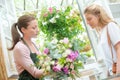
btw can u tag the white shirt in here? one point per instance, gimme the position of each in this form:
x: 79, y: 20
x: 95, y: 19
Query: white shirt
x: 114, y: 33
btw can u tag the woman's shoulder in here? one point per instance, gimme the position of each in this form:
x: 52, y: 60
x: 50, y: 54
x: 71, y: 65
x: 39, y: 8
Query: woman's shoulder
x: 21, y: 49
x: 20, y: 45
x: 113, y: 25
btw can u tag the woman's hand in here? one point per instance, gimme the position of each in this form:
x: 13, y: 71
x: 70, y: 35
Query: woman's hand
x: 46, y: 73
x: 42, y: 72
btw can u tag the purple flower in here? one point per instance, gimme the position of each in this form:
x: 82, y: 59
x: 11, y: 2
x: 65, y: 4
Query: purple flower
x: 73, y: 55
x: 46, y: 51
x: 65, y: 70
x: 56, y: 68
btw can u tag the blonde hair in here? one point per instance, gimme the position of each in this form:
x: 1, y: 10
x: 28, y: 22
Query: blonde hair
x: 99, y: 11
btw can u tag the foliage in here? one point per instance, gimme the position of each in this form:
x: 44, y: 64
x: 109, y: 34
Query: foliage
x: 61, y: 59
x: 60, y: 23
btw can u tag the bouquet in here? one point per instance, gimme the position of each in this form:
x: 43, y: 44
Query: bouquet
x: 61, y: 56
x: 60, y: 59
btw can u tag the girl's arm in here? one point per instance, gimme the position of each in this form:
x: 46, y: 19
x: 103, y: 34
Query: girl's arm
x: 24, y: 61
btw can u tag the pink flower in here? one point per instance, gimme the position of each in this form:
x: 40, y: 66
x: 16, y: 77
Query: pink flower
x: 45, y: 15
x: 73, y: 72
x: 72, y: 56
x: 65, y: 40
x: 56, y: 68
x: 46, y: 50
x: 50, y: 10
x: 71, y: 66
x: 65, y: 70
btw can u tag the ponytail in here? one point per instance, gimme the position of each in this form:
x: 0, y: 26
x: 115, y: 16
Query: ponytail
x: 15, y: 35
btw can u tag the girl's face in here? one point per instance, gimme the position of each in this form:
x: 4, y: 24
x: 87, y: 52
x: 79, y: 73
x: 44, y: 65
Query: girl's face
x: 32, y: 29
x: 92, y: 20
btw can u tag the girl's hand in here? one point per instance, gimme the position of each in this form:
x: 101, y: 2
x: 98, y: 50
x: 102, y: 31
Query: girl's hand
x: 46, y: 73
x: 42, y: 71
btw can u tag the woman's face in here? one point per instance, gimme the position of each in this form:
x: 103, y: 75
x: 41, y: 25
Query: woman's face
x: 32, y: 29
x: 92, y: 20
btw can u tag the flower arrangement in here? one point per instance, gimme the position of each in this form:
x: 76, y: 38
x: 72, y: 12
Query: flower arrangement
x: 60, y: 23
x: 61, y: 59
x: 63, y: 41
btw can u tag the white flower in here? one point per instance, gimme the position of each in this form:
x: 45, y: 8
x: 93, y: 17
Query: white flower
x: 57, y: 16
x: 67, y: 52
x: 48, y: 58
x: 70, y: 45
x: 67, y: 17
x: 52, y: 20
x: 46, y: 63
x: 61, y: 41
x: 63, y: 9
x: 52, y: 62
x: 44, y: 23
x: 54, y: 41
x: 48, y: 68
x: 40, y: 62
x: 64, y: 54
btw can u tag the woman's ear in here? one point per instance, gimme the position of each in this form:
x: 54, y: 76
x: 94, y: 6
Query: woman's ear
x: 23, y: 30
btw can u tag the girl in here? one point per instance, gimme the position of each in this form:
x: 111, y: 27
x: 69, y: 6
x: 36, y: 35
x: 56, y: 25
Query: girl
x: 108, y: 31
x: 24, y: 49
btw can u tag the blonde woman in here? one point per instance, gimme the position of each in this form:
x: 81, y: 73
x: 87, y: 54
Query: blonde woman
x: 98, y: 19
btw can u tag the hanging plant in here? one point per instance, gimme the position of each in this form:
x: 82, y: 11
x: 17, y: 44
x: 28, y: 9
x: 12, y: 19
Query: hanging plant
x: 60, y: 23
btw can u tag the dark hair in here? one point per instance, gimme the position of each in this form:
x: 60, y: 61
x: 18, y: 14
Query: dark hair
x: 23, y: 22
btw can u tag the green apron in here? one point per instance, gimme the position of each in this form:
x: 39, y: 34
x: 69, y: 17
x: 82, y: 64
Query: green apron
x: 25, y: 75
